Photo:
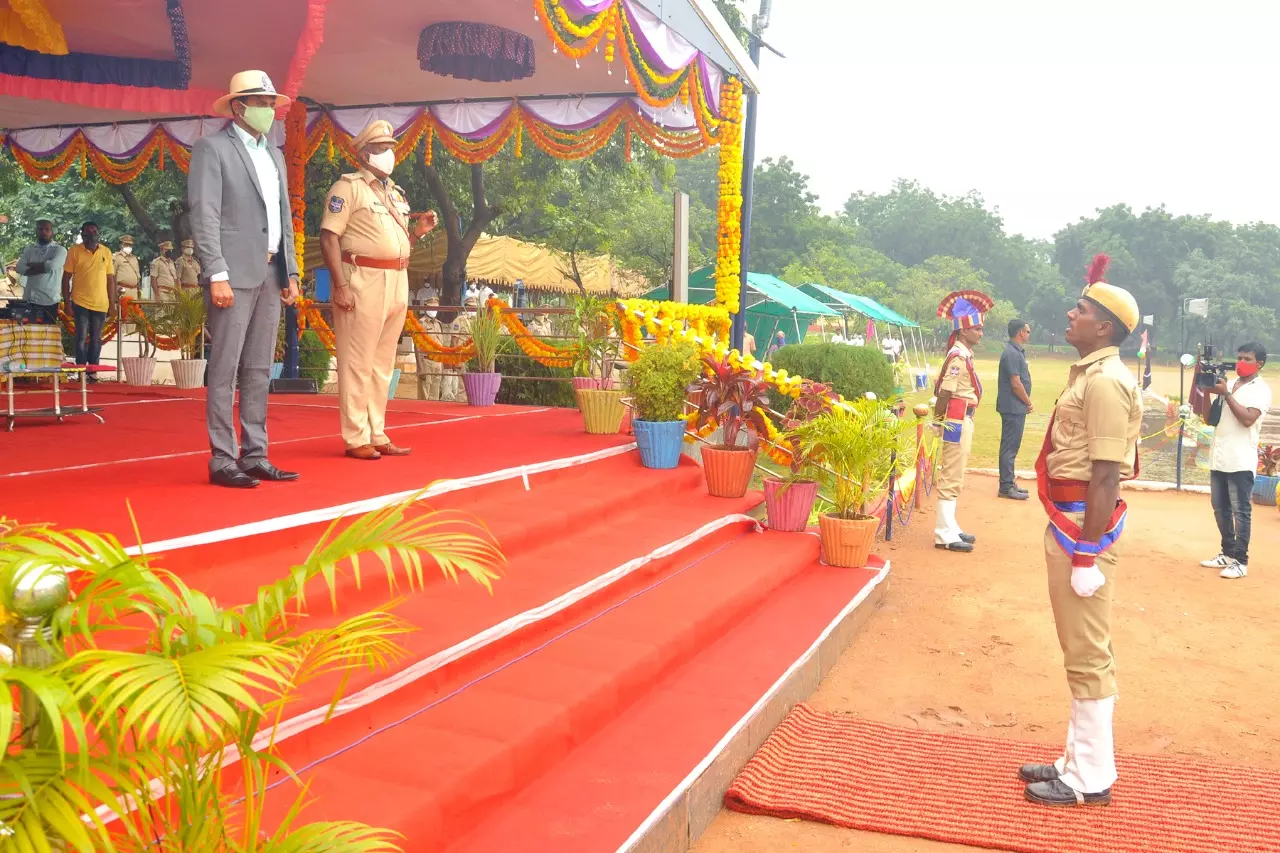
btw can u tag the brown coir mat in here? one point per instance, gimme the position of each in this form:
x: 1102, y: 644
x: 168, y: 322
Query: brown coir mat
x: 961, y: 789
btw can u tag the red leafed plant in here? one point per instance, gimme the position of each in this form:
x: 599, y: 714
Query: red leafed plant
x: 1268, y: 460
x: 815, y: 398
x: 734, y: 399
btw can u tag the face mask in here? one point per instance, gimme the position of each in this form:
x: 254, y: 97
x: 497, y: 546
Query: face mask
x: 128, y: 250
x: 260, y: 118
x: 1245, y: 369
x: 91, y: 242
x: 384, y: 162
x: 43, y: 241
x: 188, y: 252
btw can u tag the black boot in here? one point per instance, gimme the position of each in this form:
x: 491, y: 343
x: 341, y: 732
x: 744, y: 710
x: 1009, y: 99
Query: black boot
x: 1058, y: 793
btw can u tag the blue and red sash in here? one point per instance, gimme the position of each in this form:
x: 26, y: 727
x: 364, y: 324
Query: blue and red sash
x: 1062, y: 496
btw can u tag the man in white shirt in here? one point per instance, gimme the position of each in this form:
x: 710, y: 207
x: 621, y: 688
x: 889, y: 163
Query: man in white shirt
x: 1233, y: 459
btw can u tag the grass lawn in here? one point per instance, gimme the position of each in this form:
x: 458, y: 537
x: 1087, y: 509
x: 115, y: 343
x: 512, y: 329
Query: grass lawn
x: 1048, y: 379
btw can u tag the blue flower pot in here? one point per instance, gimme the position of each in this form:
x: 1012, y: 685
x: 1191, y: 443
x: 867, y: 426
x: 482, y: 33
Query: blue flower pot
x: 660, y: 442
x: 1264, y: 490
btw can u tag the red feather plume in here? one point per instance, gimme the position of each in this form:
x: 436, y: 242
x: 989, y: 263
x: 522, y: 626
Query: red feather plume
x: 1097, y: 268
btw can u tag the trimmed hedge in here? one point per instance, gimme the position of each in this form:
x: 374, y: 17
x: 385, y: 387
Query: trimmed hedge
x: 852, y: 371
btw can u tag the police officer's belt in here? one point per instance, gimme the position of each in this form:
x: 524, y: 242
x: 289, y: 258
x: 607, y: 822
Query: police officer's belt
x: 375, y: 263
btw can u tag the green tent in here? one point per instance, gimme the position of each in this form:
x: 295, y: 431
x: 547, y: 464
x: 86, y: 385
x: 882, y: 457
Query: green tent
x: 772, y: 306
x: 864, y: 305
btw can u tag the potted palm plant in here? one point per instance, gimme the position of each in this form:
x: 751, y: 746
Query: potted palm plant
x: 657, y: 383
x: 183, y: 320
x: 734, y: 400
x: 597, y: 351
x: 855, y: 448
x: 138, y: 369
x: 789, y: 498
x: 486, y: 333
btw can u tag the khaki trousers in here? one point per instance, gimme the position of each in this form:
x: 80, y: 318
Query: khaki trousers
x: 1084, y: 624
x: 429, y: 375
x: 367, y: 337
x: 955, y: 457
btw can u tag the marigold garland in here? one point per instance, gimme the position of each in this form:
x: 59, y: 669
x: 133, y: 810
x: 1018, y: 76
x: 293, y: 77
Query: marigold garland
x: 131, y: 312
x: 729, y: 210
x: 295, y: 161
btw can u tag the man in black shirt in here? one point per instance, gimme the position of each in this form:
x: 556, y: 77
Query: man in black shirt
x: 1013, y: 402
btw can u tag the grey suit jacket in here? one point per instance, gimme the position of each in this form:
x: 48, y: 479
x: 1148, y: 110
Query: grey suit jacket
x: 228, y: 219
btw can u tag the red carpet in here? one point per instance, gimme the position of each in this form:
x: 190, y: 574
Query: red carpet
x: 964, y: 790
x: 171, y: 497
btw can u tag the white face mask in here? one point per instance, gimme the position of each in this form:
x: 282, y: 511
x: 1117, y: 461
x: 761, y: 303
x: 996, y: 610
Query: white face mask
x: 128, y: 250
x: 384, y: 161
x: 188, y: 252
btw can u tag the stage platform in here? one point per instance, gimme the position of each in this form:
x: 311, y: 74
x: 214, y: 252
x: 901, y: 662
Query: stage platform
x: 642, y: 641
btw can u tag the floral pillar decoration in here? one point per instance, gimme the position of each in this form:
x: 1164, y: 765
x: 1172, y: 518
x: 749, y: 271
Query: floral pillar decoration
x: 729, y: 211
x: 295, y: 159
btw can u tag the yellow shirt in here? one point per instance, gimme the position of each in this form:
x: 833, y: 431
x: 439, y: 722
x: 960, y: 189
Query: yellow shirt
x: 370, y: 219
x: 1097, y: 418
x: 957, y: 379
x: 89, y: 271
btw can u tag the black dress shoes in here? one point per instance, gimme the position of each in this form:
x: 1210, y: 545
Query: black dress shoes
x: 232, y: 479
x: 959, y: 547
x: 968, y: 538
x: 1014, y: 494
x: 1037, y: 773
x: 264, y: 470
x: 1058, y: 793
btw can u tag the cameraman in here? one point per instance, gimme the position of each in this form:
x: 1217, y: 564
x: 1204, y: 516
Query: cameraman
x: 1233, y: 460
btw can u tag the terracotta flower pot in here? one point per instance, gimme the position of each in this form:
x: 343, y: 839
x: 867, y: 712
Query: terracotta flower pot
x: 789, y: 507
x: 846, y: 542
x: 188, y: 373
x: 728, y: 472
x: 138, y: 370
x: 481, y: 388
x: 601, y: 410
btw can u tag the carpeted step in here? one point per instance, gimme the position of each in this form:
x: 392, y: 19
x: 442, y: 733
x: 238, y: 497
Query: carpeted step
x: 436, y: 763
x: 604, y: 790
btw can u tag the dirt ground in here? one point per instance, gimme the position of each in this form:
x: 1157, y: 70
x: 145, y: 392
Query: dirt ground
x: 966, y: 642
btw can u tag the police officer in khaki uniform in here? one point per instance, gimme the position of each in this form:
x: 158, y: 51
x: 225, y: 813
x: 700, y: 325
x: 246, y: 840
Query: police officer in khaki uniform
x: 958, y: 392
x: 128, y: 270
x: 430, y: 372
x: 164, y: 274
x: 1091, y: 445
x: 454, y: 334
x: 366, y: 236
x: 188, y: 266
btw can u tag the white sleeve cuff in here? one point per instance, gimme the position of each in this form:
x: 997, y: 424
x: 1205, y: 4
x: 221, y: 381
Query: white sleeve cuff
x: 219, y: 276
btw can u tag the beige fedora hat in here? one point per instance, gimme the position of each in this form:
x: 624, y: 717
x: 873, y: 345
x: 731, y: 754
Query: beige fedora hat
x: 244, y: 84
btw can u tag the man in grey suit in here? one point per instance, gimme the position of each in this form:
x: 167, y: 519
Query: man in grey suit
x: 240, y: 220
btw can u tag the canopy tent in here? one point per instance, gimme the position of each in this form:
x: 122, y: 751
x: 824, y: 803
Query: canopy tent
x: 132, y: 83
x: 772, y: 304
x: 873, y: 311
x: 134, y: 78
x: 501, y: 261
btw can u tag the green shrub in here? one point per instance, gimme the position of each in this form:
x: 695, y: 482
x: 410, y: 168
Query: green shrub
x: 657, y: 382
x: 524, y: 381
x: 313, y: 359
x: 852, y: 371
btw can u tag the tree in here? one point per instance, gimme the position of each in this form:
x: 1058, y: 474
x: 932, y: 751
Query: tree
x: 784, y: 216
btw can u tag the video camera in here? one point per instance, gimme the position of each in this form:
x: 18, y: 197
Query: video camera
x: 1209, y: 372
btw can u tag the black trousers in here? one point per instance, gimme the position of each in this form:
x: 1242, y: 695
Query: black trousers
x: 1011, y: 429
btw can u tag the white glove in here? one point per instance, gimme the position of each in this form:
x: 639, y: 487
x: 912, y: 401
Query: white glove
x: 1086, y: 580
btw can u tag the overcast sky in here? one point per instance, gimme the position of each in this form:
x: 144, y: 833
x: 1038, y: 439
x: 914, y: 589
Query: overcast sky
x: 1049, y: 109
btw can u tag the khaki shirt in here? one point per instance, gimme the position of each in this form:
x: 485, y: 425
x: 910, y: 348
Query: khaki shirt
x: 369, y: 218
x: 957, y: 378
x: 128, y: 272
x: 163, y: 273
x: 188, y: 272
x: 1097, y: 418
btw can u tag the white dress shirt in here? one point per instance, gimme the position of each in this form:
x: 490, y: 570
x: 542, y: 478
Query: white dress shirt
x: 269, y: 180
